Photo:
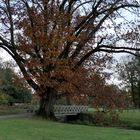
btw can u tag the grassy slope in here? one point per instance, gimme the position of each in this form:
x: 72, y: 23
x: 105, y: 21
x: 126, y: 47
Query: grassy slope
x: 24, y: 129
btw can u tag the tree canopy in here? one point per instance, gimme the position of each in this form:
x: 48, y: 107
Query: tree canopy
x: 56, y: 42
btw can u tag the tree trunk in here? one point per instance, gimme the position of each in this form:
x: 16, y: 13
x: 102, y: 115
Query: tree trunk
x: 68, y: 101
x: 46, y: 104
x: 133, y: 92
x: 139, y: 94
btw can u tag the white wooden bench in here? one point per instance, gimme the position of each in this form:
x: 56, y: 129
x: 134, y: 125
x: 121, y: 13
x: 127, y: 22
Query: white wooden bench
x: 66, y: 110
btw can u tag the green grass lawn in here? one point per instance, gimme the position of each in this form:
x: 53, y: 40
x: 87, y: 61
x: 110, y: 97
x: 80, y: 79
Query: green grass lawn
x: 131, y: 116
x: 7, y: 110
x: 126, y: 116
x: 36, y: 129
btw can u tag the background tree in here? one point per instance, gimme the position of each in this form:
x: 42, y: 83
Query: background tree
x: 13, y: 87
x: 129, y: 73
x: 4, y: 98
x: 53, y: 40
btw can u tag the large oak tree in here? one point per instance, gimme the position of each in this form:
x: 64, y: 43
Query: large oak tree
x: 54, y: 41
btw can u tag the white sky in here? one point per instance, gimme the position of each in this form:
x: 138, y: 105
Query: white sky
x: 4, y: 55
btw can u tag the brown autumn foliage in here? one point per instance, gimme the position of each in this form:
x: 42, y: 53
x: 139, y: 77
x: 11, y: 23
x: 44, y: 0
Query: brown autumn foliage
x: 101, y: 95
x: 55, y: 42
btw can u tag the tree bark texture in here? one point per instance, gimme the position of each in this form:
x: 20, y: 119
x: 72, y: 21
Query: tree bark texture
x: 46, y: 104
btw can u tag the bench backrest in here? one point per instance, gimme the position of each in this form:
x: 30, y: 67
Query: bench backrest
x: 63, y: 110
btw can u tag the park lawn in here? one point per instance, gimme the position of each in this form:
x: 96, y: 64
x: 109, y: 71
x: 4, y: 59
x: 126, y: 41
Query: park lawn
x: 8, y: 110
x: 131, y: 116
x: 36, y: 129
x: 126, y: 116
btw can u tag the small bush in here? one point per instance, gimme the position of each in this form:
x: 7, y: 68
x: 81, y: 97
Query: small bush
x: 3, y: 98
x: 135, y: 126
x: 80, y: 118
x: 109, y: 118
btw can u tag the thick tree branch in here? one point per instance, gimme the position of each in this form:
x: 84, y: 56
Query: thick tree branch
x: 10, y: 18
x: 26, y: 75
x: 6, y: 49
x: 121, y: 7
x: 108, y: 49
x: 61, y: 8
x: 20, y: 63
x: 65, y: 52
x: 85, y: 57
x: 90, y: 35
x: 36, y: 46
x: 118, y: 48
x: 119, y: 51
